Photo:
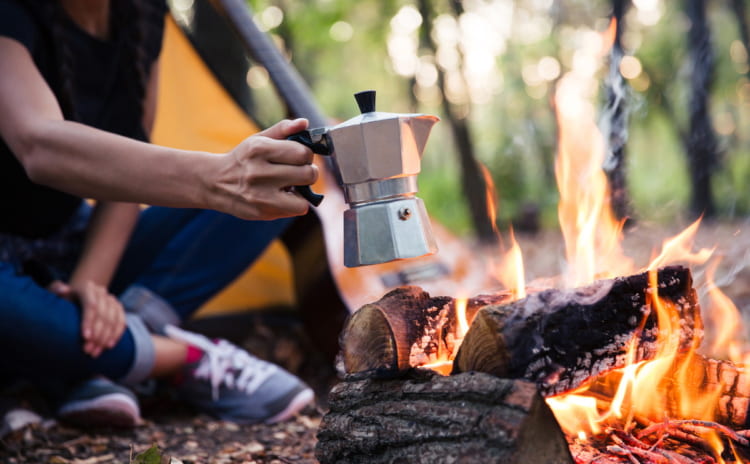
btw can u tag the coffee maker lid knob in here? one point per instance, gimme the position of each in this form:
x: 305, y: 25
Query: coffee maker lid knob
x: 365, y: 101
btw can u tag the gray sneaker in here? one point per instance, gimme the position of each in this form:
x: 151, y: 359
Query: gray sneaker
x: 233, y: 385
x: 99, y: 402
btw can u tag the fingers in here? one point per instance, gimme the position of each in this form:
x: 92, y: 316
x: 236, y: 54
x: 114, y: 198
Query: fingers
x: 282, y: 200
x: 285, y: 175
x: 292, y: 153
x: 60, y: 289
x: 275, y: 151
x: 263, y: 170
x: 285, y: 128
x: 103, y: 319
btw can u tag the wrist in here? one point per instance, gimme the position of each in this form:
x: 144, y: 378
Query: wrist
x: 77, y: 283
x: 219, y: 183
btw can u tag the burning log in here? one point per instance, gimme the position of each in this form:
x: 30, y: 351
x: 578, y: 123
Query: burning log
x: 378, y: 338
x: 549, y: 342
x: 428, y: 418
x: 561, y: 338
x: 701, y: 377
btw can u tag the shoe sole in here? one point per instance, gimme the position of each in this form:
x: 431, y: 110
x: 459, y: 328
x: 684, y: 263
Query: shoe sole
x: 302, y: 399
x: 113, y: 410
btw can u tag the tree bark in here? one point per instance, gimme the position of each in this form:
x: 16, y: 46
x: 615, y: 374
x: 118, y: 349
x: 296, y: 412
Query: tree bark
x: 427, y: 418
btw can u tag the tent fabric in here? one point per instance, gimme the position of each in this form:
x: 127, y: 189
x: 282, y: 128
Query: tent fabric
x: 195, y: 112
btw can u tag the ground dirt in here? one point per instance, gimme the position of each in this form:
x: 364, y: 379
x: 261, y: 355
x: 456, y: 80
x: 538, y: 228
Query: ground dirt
x: 194, y: 438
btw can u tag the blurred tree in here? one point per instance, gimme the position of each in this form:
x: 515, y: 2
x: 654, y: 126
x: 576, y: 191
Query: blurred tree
x: 473, y: 183
x: 701, y: 145
x: 740, y: 13
x: 615, y: 117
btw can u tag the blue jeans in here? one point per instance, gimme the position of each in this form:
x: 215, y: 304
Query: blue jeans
x: 184, y: 255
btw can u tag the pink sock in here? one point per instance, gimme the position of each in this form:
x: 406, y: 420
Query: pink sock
x: 193, y: 354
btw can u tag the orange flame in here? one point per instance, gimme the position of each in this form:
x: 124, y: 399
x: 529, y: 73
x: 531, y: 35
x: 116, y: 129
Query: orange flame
x: 678, y: 249
x: 444, y: 365
x: 508, y: 269
x: 608, y: 37
x: 725, y: 320
x: 512, y: 271
x: 640, y: 390
x: 462, y: 323
x: 591, y: 232
x: 490, y: 194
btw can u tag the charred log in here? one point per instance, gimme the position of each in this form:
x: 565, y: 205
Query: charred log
x: 378, y: 339
x: 427, y: 418
x: 561, y: 338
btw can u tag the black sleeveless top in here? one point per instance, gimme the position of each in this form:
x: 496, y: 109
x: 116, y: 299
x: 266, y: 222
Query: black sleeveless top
x: 105, y: 96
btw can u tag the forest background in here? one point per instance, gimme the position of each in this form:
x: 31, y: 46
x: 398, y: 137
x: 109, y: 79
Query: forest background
x: 672, y: 95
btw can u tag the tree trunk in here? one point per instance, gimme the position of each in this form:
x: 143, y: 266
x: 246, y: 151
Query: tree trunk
x: 701, y: 144
x: 472, y: 180
x: 615, y: 119
x: 740, y: 12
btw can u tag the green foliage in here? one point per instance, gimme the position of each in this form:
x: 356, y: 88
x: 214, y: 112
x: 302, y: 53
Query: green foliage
x: 513, y: 126
x: 657, y: 171
x: 151, y: 456
x: 442, y: 192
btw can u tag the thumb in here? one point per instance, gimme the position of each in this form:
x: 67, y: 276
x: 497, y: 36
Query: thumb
x: 285, y: 128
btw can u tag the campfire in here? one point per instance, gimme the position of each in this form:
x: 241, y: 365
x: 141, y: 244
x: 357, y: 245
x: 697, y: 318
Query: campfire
x: 605, y: 363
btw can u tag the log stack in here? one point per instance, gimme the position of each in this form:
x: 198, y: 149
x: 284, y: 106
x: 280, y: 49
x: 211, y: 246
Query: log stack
x: 514, y: 353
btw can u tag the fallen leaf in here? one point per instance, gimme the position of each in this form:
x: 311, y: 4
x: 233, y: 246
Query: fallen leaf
x: 95, y: 460
x: 58, y: 460
x: 150, y: 456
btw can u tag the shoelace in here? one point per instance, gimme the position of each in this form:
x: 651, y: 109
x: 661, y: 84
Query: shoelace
x: 224, y: 363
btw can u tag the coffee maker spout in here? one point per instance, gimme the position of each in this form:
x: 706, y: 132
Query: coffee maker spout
x: 421, y: 126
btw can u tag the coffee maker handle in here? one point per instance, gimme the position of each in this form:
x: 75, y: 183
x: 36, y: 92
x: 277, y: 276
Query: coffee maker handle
x: 320, y: 148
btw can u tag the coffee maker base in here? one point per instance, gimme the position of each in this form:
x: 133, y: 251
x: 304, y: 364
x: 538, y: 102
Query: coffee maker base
x: 384, y: 231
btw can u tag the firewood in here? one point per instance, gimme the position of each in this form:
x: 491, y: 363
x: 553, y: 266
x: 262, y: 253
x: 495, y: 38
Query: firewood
x: 427, y: 418
x: 561, y: 338
x: 377, y: 339
x: 705, y: 376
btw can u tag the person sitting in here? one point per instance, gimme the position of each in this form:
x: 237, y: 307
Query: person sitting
x: 92, y: 286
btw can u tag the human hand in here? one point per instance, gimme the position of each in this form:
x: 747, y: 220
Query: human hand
x: 103, y: 317
x: 257, y: 176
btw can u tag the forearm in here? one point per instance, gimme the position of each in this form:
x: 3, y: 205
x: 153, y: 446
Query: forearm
x: 96, y: 164
x: 108, y: 233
